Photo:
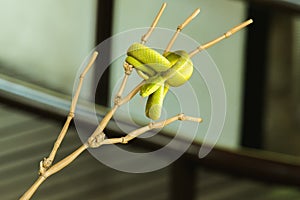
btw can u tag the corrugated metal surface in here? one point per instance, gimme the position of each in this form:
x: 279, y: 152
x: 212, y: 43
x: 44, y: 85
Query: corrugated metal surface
x: 26, y: 138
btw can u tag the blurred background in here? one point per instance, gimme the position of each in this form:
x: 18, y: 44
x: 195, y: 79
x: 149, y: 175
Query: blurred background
x: 43, y: 44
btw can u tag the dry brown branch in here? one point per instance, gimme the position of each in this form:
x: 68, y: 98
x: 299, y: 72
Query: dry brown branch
x: 224, y: 36
x: 47, y: 162
x: 52, y: 170
x: 150, y: 126
x: 154, y: 23
x: 45, y: 165
x: 180, y: 27
x: 98, y: 138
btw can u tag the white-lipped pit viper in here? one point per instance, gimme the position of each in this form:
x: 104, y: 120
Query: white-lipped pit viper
x: 159, y: 72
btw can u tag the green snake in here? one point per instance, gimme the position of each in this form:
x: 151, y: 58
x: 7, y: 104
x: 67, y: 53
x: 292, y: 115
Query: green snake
x: 159, y: 72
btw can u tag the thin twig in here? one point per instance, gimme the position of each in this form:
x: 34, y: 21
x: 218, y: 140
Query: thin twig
x: 47, y: 162
x: 52, y: 170
x: 224, y: 36
x: 145, y: 37
x: 98, y: 138
x: 45, y: 165
x: 128, y: 69
x: 150, y: 126
x: 69, y: 159
x: 180, y: 27
x: 118, y: 102
x: 154, y: 23
x: 93, y: 138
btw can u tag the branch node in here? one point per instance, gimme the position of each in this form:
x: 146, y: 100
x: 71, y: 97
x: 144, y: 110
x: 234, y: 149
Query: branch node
x: 181, y: 116
x: 151, y: 125
x: 44, y: 165
x: 228, y: 34
x: 128, y: 68
x: 124, y: 141
x: 156, y: 125
x: 96, y: 141
x: 117, y: 100
x: 179, y: 28
x: 71, y: 114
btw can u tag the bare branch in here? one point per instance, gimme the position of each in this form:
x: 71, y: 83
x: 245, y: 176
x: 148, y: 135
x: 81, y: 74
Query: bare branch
x: 52, y: 170
x: 47, y: 162
x: 109, y: 115
x: 180, y: 27
x: 224, y: 36
x: 154, y: 23
x: 150, y: 126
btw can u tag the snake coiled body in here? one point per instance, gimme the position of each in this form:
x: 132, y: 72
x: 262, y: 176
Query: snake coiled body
x: 159, y: 72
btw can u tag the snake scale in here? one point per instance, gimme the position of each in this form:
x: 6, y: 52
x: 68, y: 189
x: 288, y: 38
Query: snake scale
x: 160, y: 71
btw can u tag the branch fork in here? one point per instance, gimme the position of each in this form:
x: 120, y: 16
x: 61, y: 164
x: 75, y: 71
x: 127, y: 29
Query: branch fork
x: 98, y: 137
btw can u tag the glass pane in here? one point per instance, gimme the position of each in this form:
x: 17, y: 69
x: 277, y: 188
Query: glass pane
x: 215, y: 18
x: 44, y: 42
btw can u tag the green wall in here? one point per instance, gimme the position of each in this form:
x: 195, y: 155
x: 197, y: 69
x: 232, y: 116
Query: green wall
x: 216, y: 17
x: 45, y: 41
